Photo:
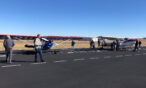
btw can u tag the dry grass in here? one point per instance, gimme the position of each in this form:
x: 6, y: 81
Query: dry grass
x: 67, y: 44
x: 143, y: 42
x: 19, y: 45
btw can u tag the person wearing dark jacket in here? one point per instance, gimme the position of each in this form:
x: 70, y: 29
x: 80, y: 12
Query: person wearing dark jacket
x: 136, y: 45
x: 113, y: 45
x: 139, y: 44
x: 117, y: 45
x: 92, y: 44
x: 98, y: 43
x: 8, y: 45
x: 73, y: 44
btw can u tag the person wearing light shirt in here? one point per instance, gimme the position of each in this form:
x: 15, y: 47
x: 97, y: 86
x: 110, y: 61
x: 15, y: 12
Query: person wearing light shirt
x: 38, y: 48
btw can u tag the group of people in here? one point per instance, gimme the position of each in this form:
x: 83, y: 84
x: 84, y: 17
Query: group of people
x: 115, y: 45
x: 9, y: 44
x: 137, y: 45
x: 92, y: 44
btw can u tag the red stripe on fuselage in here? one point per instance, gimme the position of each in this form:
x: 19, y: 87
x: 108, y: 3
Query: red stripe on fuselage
x: 130, y: 40
x: 56, y: 37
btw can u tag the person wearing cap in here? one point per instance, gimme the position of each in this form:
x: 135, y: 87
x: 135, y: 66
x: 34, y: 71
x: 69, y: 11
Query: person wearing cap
x: 8, y: 45
x: 38, y: 48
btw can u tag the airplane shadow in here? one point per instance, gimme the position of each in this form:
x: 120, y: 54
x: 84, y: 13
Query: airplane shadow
x: 26, y: 52
x: 4, y: 61
x: 33, y: 52
x: 22, y: 61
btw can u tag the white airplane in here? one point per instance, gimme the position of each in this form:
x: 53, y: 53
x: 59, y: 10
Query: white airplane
x: 120, y: 42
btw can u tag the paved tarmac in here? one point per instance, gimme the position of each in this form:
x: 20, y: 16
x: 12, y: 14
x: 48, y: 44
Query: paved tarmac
x: 78, y: 69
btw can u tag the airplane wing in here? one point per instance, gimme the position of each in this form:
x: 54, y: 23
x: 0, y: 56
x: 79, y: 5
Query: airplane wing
x: 44, y: 38
x: 110, y: 38
x: 24, y: 37
x: 17, y: 37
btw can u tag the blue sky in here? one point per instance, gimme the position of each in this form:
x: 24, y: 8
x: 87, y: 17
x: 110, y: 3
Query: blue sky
x: 91, y: 18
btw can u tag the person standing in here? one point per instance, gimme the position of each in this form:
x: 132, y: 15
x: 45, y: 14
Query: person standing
x: 8, y: 45
x: 73, y: 44
x: 139, y: 44
x: 117, y: 45
x: 113, y: 45
x: 136, y: 45
x: 98, y: 43
x: 38, y: 48
x: 102, y: 43
x: 91, y: 43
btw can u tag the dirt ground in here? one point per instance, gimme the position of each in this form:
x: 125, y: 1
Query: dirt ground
x: 20, y: 45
